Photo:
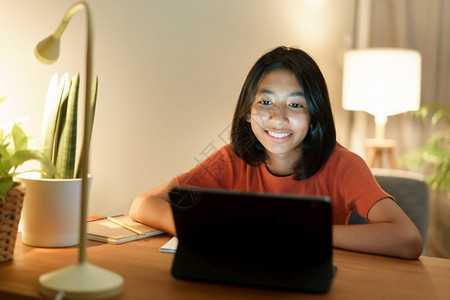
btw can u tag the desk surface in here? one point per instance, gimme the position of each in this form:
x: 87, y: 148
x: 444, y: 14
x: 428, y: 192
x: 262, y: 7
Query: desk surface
x: 146, y: 272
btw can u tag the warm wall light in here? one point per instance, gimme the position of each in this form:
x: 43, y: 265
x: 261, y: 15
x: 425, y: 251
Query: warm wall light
x: 382, y: 82
x: 82, y: 280
x: 315, y: 4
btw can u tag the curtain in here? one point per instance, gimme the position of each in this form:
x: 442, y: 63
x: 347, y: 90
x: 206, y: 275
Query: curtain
x: 423, y: 25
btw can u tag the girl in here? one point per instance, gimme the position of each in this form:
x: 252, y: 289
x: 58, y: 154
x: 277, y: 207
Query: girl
x: 283, y: 140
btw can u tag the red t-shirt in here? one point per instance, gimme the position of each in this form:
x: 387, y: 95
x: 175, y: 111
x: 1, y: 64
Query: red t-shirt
x: 345, y: 178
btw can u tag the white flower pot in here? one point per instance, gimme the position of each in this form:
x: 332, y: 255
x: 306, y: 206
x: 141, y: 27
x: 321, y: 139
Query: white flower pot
x: 51, y: 211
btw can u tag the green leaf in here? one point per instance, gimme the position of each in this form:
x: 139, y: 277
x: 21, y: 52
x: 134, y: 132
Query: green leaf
x: 5, y: 185
x: 65, y: 161
x: 22, y: 156
x: 61, y: 117
x: 5, y: 161
x: 55, y: 106
x: 60, y: 121
x: 19, y: 138
x: 50, y: 114
x: 91, y: 123
x: 436, y: 117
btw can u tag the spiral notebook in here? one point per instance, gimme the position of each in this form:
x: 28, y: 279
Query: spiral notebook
x: 118, y: 229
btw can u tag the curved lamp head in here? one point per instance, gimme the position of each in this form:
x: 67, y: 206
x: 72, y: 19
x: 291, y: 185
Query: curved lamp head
x: 47, y: 50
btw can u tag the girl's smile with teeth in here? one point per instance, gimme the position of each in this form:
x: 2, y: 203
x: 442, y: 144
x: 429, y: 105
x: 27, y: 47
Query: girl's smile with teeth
x: 278, y: 135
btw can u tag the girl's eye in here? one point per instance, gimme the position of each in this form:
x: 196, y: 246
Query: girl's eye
x: 265, y: 102
x: 296, y: 105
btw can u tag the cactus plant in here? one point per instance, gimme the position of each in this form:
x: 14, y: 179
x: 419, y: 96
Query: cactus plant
x: 60, y: 124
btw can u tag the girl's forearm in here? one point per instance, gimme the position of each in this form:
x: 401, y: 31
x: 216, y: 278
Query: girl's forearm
x: 378, y: 238
x: 153, y: 211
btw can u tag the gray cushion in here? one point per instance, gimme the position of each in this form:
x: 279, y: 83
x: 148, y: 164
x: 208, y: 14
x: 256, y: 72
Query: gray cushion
x: 410, y: 191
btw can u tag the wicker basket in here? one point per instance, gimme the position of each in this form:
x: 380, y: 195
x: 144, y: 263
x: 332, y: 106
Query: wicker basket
x: 9, y: 221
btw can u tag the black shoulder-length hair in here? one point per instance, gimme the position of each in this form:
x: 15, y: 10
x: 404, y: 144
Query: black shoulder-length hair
x: 320, y: 140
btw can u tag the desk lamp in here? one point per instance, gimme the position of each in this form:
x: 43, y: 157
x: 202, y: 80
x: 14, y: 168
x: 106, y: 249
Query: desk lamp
x: 82, y: 280
x: 382, y: 82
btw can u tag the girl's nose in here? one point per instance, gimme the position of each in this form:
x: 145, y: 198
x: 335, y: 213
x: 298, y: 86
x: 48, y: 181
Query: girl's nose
x: 278, y: 115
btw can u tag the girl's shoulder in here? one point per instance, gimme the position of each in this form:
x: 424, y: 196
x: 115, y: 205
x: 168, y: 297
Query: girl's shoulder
x: 218, y: 170
x: 343, y: 163
x: 343, y: 156
x: 224, y: 158
x: 225, y: 153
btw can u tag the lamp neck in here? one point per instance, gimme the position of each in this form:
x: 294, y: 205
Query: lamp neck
x: 87, y: 117
x: 68, y: 15
x: 380, y: 126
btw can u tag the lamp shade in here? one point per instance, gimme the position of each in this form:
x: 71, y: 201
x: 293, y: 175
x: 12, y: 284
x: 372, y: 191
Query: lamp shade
x: 47, y: 51
x: 381, y: 81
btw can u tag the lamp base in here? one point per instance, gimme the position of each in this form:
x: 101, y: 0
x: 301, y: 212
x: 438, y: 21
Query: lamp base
x: 81, y: 281
x: 376, y: 148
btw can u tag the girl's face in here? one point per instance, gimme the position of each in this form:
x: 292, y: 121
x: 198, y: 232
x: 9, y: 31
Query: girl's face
x: 278, y: 117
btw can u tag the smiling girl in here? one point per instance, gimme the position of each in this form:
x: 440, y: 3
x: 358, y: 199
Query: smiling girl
x: 283, y: 140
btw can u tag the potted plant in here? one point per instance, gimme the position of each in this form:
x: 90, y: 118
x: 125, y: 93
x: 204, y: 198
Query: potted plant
x: 14, y: 153
x: 433, y: 159
x: 51, y: 211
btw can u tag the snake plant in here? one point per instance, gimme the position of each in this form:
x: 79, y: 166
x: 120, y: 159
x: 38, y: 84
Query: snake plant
x: 60, y: 124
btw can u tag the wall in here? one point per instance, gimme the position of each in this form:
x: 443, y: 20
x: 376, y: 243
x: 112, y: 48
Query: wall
x: 169, y: 75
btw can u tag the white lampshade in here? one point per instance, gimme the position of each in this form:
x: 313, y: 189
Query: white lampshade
x: 382, y: 81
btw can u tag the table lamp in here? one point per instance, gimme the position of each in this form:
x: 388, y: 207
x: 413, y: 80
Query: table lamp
x: 382, y: 82
x: 82, y: 280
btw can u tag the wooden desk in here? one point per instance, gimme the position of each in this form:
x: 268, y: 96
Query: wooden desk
x: 147, y: 275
